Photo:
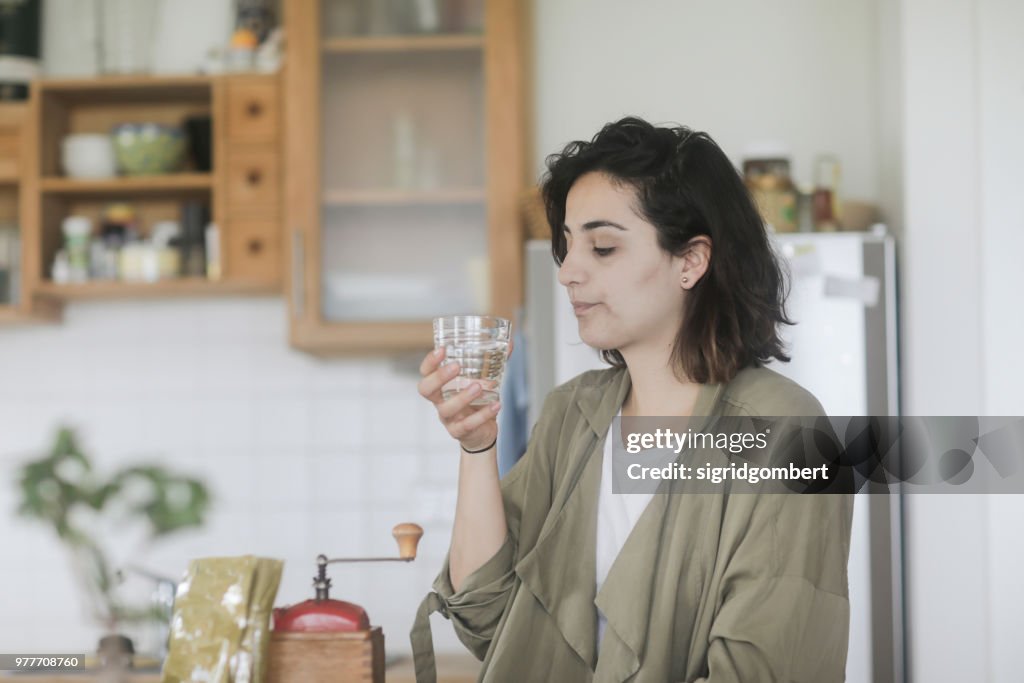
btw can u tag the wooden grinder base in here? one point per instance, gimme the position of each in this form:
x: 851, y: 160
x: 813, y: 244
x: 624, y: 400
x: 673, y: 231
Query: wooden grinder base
x: 321, y: 657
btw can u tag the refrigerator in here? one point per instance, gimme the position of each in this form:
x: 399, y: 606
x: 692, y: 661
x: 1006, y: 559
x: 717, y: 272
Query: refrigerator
x: 844, y: 351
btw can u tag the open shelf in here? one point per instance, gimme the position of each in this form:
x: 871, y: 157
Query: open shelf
x: 170, y: 182
x: 425, y: 43
x: 391, y: 197
x: 180, y: 287
x: 241, y: 192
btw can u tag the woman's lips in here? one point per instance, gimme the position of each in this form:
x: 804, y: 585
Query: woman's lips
x: 580, y: 308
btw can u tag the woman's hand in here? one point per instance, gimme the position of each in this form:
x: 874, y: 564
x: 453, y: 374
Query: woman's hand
x: 474, y: 427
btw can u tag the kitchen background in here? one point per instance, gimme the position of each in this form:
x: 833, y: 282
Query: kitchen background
x: 920, y: 100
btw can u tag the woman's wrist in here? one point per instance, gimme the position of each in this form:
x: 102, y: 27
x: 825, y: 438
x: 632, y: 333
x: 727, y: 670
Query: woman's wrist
x: 478, y: 451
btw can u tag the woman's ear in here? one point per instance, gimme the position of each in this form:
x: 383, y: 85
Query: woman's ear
x: 695, y: 261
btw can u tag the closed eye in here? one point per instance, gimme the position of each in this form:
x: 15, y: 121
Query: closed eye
x: 603, y: 251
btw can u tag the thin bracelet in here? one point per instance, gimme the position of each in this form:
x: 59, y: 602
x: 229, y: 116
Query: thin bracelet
x: 482, y: 450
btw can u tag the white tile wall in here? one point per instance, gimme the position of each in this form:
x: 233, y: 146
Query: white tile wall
x: 303, y: 455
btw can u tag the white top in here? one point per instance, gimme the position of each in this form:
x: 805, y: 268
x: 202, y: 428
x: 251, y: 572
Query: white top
x: 617, y: 514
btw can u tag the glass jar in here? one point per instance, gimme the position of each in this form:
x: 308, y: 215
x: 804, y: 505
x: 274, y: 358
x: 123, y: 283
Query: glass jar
x: 773, y: 191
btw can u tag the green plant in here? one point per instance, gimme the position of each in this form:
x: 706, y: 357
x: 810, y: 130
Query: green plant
x: 62, y: 486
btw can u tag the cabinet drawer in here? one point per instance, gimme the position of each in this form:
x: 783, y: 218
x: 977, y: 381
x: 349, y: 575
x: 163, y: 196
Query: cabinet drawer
x: 253, y: 249
x: 252, y: 111
x: 253, y: 177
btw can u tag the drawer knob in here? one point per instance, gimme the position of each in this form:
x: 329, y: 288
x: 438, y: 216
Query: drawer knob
x: 254, y: 109
x: 255, y: 246
x: 253, y: 176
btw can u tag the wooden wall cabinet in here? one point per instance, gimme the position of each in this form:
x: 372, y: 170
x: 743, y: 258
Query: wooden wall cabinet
x: 243, y: 189
x: 405, y: 162
x: 16, y: 192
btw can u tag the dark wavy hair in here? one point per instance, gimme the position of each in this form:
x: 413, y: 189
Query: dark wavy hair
x: 686, y: 187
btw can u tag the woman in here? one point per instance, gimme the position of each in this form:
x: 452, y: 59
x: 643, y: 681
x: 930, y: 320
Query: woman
x: 551, y: 577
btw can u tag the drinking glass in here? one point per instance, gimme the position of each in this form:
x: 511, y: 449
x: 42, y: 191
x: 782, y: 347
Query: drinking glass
x: 479, y: 344
x: 128, y: 31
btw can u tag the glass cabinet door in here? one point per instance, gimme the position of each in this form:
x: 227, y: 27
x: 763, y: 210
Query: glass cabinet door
x: 403, y: 220
x: 408, y: 217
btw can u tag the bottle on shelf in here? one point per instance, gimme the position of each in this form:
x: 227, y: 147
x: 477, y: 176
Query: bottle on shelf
x: 77, y: 234
x: 9, y: 262
x: 60, y: 271
x: 825, y: 200
x: 213, y: 265
x: 194, y: 218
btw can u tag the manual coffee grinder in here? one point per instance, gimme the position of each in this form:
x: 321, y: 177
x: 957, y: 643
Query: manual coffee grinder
x: 323, y: 639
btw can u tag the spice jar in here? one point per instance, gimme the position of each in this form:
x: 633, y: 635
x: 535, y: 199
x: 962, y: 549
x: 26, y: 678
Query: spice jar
x: 773, y: 191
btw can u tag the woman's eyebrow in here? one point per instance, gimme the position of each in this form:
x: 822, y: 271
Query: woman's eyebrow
x: 593, y: 225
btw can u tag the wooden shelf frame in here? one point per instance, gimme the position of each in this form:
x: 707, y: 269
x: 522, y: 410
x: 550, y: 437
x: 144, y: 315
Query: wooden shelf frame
x: 41, y: 312
x: 404, y: 43
x: 170, y: 182
x: 9, y: 313
x: 359, y: 338
x: 128, y: 88
x: 390, y: 197
x: 161, y: 289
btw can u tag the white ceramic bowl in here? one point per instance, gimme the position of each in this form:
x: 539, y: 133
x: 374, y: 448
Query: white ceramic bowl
x: 88, y: 155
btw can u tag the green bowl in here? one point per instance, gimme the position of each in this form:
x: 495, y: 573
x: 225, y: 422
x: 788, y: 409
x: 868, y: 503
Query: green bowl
x: 148, y: 148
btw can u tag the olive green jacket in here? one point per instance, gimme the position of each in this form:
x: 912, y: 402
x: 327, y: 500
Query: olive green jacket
x: 708, y: 588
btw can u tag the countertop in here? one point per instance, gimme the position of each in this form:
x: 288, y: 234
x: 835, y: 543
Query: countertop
x: 462, y: 668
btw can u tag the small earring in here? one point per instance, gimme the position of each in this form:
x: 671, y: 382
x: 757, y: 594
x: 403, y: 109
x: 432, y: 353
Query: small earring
x: 685, y: 280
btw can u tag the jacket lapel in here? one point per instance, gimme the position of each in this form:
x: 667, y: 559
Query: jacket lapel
x: 627, y: 594
x: 560, y: 569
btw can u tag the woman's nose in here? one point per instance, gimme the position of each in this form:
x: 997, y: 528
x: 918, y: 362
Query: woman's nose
x: 570, y: 272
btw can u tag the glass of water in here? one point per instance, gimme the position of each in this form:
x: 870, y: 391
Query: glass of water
x: 479, y: 344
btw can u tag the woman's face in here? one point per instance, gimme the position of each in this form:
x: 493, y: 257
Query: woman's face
x: 626, y: 290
